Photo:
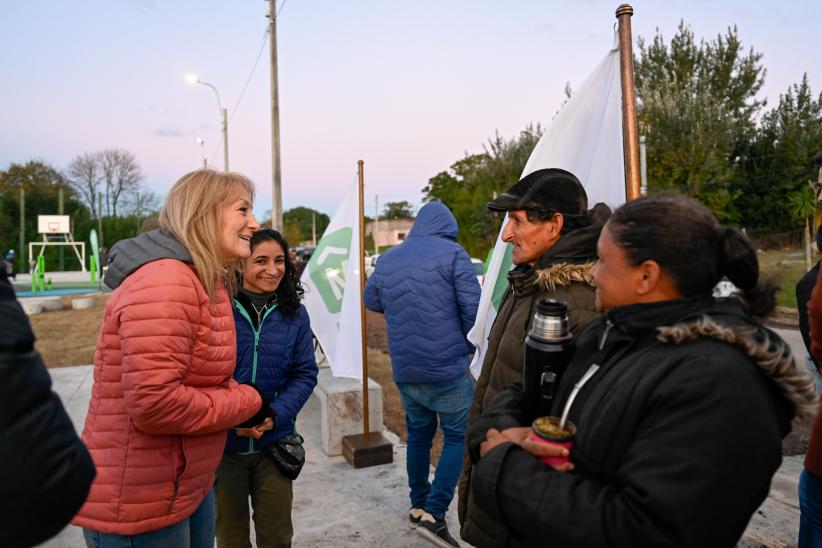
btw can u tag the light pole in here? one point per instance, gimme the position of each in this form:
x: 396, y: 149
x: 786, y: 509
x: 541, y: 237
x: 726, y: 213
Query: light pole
x: 202, y: 151
x: 194, y: 79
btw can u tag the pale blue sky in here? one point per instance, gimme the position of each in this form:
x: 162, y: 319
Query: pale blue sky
x: 406, y: 86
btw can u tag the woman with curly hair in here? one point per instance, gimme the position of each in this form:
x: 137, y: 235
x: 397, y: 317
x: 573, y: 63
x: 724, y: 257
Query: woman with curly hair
x: 275, y: 353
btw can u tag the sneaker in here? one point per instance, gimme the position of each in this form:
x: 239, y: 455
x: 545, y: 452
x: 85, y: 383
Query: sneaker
x: 435, y: 532
x: 414, y: 517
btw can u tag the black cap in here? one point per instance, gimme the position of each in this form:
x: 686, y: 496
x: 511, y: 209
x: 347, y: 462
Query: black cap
x: 547, y: 190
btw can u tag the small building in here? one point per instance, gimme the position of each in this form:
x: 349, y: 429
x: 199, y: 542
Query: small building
x: 389, y: 232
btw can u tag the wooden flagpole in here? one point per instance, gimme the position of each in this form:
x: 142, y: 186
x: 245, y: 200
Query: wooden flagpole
x: 630, y: 139
x: 364, y: 346
x: 368, y: 448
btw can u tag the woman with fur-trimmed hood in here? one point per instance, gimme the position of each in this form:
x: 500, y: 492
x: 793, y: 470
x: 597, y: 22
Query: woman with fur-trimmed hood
x: 680, y: 400
x: 554, y: 240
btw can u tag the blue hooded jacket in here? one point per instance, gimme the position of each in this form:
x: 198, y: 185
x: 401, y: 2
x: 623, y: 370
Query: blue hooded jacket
x: 279, y: 359
x: 427, y: 289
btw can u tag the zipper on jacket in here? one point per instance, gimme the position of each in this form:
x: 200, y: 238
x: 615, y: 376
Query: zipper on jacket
x: 608, y: 325
x: 256, y: 348
x: 174, y: 494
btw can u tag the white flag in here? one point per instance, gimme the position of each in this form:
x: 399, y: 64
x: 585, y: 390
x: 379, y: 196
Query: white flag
x: 333, y: 294
x: 585, y: 138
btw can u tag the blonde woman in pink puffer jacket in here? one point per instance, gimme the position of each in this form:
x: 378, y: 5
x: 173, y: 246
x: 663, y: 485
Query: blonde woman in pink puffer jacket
x: 163, y: 397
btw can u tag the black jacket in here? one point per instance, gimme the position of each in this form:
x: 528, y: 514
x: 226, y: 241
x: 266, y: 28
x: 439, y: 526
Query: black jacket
x: 679, y: 433
x: 45, y: 470
x: 804, y: 287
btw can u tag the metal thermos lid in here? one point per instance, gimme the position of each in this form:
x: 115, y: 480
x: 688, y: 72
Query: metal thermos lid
x: 550, y: 321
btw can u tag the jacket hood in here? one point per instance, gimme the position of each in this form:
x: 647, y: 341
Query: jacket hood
x: 685, y: 320
x: 435, y: 219
x: 128, y: 255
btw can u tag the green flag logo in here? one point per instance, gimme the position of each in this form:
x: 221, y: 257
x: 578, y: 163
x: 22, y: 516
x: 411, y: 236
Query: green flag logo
x: 326, y: 267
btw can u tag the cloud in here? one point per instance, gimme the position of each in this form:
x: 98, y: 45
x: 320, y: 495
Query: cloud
x: 168, y: 132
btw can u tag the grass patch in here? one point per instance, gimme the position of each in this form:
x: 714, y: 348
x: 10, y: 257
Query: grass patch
x: 784, y: 268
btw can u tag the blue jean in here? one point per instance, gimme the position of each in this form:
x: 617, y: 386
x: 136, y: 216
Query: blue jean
x: 196, y: 531
x: 810, y: 506
x: 424, y: 403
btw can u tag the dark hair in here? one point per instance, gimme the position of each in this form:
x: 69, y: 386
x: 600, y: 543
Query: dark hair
x: 690, y: 246
x: 597, y: 215
x: 569, y: 222
x: 290, y: 291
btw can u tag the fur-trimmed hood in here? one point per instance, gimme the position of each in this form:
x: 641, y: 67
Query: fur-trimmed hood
x: 564, y: 274
x: 684, y: 320
x: 771, y: 354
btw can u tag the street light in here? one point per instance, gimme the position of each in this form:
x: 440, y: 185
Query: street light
x: 202, y: 150
x: 193, y: 79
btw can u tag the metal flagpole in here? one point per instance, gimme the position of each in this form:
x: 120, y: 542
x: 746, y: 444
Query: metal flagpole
x: 630, y: 139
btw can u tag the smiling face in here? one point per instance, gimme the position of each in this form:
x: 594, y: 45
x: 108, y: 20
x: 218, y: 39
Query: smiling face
x: 265, y: 269
x: 237, y: 224
x: 531, y: 239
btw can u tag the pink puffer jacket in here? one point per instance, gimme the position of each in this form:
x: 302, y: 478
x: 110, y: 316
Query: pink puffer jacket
x: 162, y: 401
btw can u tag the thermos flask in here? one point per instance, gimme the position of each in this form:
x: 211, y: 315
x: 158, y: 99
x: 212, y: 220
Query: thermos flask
x: 548, y: 349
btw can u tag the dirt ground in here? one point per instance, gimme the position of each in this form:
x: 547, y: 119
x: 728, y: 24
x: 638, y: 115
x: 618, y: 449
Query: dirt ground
x: 68, y: 337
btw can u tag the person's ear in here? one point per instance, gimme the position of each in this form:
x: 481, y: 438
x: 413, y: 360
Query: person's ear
x: 649, y: 274
x: 554, y: 225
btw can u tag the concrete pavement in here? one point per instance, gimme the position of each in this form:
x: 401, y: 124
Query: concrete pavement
x: 334, y: 505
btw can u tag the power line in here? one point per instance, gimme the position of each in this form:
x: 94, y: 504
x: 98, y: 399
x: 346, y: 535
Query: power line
x: 251, y: 74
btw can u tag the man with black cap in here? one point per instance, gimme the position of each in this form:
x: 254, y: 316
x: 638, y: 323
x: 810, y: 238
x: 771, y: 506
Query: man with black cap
x: 554, y: 238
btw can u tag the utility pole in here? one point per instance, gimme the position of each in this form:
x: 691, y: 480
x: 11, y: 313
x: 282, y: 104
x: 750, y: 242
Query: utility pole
x: 225, y: 139
x: 277, y: 201
x: 643, y: 168
x: 375, y: 228
x: 23, y: 230
x: 314, y: 228
x: 99, y: 219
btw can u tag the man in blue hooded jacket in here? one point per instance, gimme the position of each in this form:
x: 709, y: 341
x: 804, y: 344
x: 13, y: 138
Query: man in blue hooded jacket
x: 427, y: 289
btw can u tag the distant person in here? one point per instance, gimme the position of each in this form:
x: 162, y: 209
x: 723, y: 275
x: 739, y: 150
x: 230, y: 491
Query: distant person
x: 8, y: 265
x: 429, y: 294
x: 45, y: 470
x: 809, y: 302
x: 804, y: 288
x: 553, y: 237
x: 163, y: 398
x: 274, y: 351
x: 680, y: 425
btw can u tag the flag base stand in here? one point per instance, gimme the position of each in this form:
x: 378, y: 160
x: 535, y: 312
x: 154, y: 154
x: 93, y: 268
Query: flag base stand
x: 362, y: 453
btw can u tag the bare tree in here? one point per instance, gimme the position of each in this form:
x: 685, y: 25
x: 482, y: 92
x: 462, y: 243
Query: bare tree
x: 141, y: 202
x: 84, y: 178
x: 121, y: 174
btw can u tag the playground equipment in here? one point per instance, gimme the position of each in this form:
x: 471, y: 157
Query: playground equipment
x: 56, y: 231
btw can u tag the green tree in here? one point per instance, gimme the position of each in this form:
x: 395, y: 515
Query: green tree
x: 41, y: 183
x: 697, y: 105
x: 472, y: 181
x: 780, y: 160
x: 302, y: 218
x: 803, y: 205
x: 398, y: 210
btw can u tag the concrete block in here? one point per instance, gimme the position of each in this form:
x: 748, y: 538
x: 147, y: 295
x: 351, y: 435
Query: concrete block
x: 46, y: 303
x: 31, y: 308
x: 341, y: 409
x: 82, y: 304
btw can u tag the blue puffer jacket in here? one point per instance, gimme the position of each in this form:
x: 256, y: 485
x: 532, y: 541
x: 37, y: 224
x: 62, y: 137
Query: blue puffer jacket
x: 279, y: 359
x: 427, y: 289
